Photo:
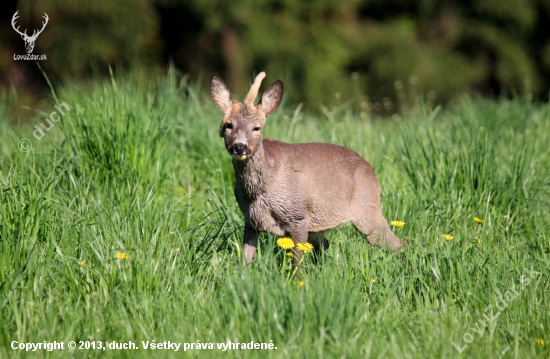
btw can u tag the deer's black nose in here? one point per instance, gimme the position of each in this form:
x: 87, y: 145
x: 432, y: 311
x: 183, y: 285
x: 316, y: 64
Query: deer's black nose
x: 240, y: 149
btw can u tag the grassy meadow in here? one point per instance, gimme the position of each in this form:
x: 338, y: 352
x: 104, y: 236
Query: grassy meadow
x: 120, y: 224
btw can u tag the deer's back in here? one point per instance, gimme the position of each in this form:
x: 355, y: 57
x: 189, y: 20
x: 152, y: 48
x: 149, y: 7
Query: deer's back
x: 322, y: 181
x: 321, y: 159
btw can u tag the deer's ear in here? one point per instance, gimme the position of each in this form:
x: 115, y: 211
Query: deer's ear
x: 220, y: 93
x: 271, y: 99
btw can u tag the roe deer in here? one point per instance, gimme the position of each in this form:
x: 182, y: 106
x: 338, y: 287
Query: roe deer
x: 295, y: 190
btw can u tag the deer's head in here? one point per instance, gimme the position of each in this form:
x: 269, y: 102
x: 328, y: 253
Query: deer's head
x: 242, y: 123
x: 29, y: 40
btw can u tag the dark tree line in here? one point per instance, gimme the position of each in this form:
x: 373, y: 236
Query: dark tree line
x: 380, y: 52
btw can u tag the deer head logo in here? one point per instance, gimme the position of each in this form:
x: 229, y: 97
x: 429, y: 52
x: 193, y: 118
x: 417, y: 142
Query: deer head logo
x: 29, y: 40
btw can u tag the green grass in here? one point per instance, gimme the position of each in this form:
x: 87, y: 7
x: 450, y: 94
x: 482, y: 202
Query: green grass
x: 137, y: 166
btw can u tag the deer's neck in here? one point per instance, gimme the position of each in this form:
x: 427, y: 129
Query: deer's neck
x: 250, y: 179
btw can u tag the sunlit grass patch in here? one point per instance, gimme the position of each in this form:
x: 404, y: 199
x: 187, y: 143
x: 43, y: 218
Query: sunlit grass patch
x: 125, y: 227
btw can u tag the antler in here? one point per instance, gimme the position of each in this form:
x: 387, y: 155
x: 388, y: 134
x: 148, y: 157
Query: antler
x: 15, y: 16
x: 35, y: 34
x: 249, y: 100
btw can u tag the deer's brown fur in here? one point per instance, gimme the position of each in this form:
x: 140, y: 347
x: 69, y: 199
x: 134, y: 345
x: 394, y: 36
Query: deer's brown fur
x: 295, y: 190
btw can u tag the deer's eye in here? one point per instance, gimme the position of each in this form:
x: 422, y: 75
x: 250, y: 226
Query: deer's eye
x: 228, y: 126
x: 257, y: 128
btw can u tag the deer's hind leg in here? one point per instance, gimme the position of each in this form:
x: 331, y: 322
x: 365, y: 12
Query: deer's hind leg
x: 366, y: 213
x: 378, y: 232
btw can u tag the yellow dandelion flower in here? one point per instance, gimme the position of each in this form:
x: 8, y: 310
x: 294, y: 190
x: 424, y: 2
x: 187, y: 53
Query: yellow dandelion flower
x: 301, y: 283
x: 478, y: 220
x: 540, y: 341
x: 478, y: 241
x: 83, y: 263
x: 397, y: 223
x: 307, y: 247
x: 285, y: 243
x: 448, y: 237
x: 121, y: 255
x: 290, y: 254
x: 373, y: 280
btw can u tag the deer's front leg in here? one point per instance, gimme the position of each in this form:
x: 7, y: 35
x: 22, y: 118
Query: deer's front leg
x: 298, y: 232
x: 250, y: 242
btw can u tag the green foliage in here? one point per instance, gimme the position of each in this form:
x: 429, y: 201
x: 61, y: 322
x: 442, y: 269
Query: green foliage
x: 137, y: 167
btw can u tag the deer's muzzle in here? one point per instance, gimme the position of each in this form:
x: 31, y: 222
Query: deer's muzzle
x: 240, y: 151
